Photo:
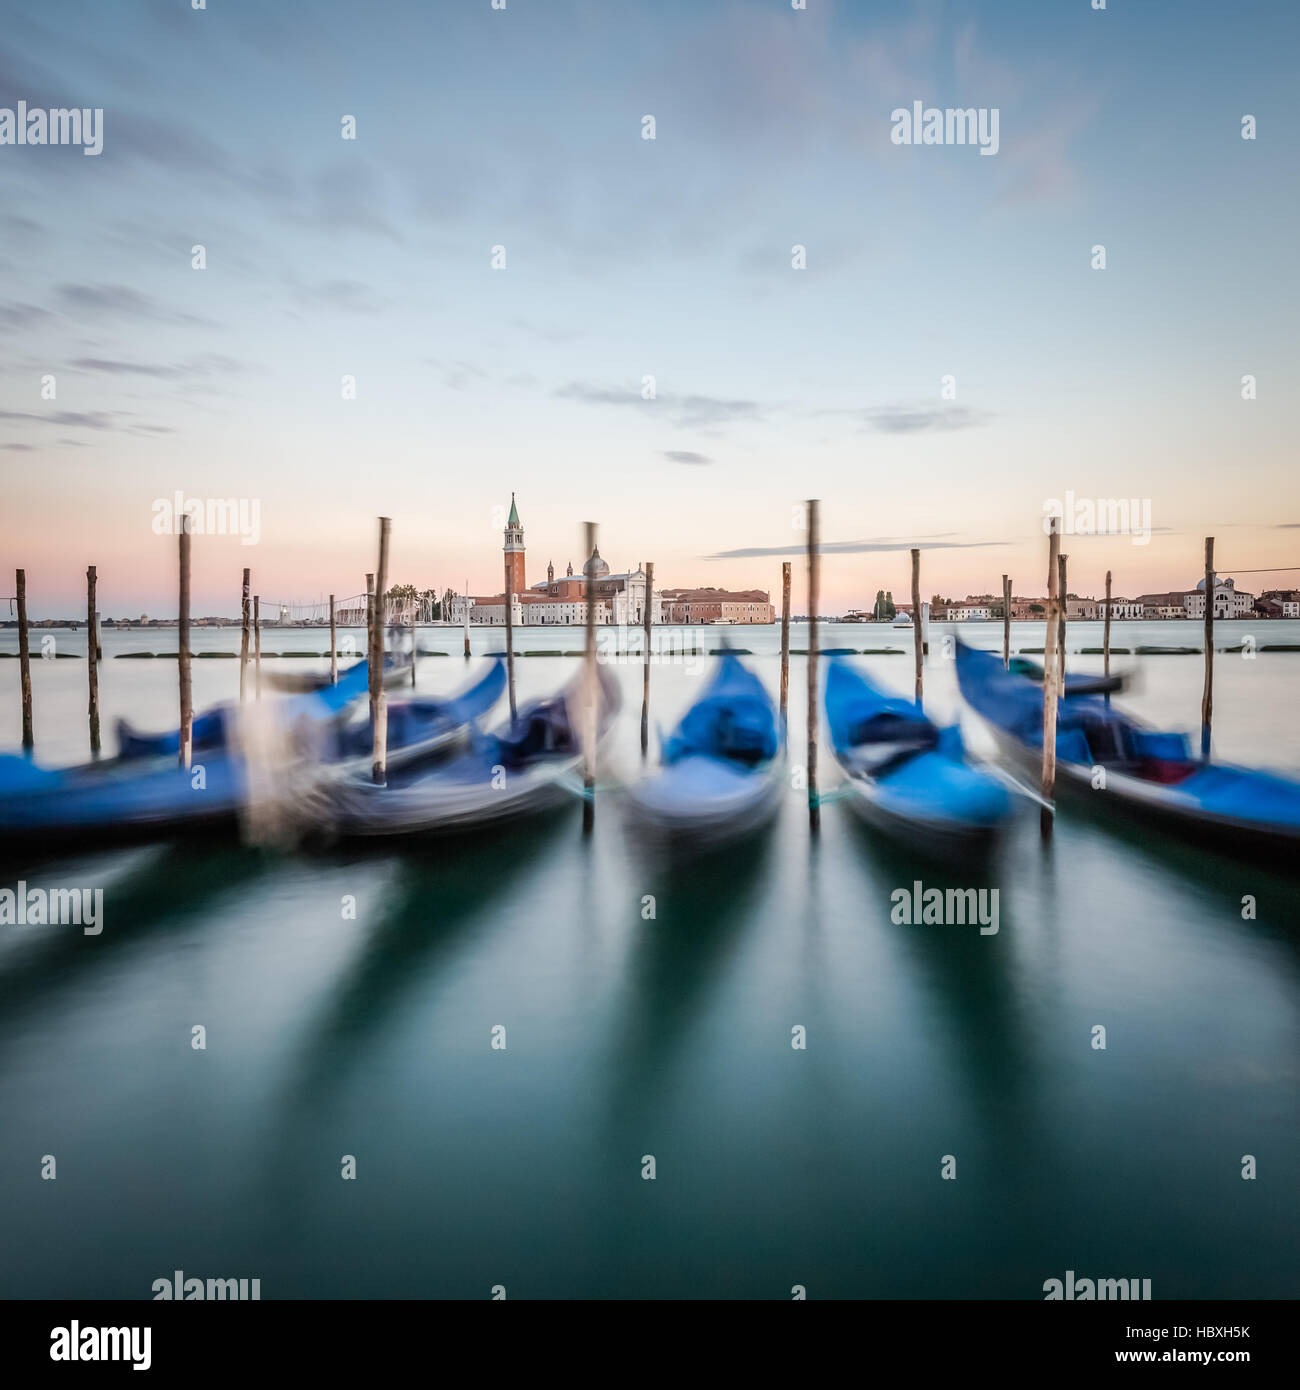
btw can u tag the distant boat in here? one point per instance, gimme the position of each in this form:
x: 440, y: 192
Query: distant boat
x: 532, y: 764
x: 1149, y: 775
x: 722, y: 775
x: 906, y: 776
x: 902, y: 620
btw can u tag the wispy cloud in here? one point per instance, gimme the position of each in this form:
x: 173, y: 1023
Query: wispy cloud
x: 921, y: 419
x: 685, y: 456
x: 683, y: 412
x: 87, y: 420
x: 870, y: 547
x: 121, y: 301
x: 208, y: 364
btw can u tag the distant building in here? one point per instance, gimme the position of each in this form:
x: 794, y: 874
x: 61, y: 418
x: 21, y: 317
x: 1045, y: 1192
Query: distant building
x: 1287, y: 599
x: 1229, y: 601
x: 1170, y: 605
x: 620, y: 599
x: 738, y: 606
x: 1094, y: 609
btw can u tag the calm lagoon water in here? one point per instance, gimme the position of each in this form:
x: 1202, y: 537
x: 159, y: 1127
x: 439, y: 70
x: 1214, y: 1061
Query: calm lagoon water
x: 670, y: 1037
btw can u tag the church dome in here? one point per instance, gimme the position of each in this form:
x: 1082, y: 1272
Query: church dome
x: 595, y: 568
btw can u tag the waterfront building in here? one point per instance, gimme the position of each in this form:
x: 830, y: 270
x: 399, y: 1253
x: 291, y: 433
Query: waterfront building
x: 620, y: 598
x: 1169, y: 605
x: 709, y: 605
x: 1229, y: 601
x: 1287, y: 599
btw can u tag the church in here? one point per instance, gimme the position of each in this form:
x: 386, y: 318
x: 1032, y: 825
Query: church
x: 620, y: 598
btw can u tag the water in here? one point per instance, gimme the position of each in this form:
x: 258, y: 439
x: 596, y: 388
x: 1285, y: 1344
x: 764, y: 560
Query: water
x: 667, y: 1037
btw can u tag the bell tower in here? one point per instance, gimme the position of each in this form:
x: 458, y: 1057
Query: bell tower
x: 514, y: 551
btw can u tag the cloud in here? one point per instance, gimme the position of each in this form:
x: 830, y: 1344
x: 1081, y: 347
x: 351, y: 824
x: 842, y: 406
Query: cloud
x: 19, y: 448
x: 871, y: 547
x: 921, y: 419
x: 15, y: 315
x: 683, y: 412
x: 208, y: 364
x: 122, y: 301
x: 685, y: 456
x: 88, y: 420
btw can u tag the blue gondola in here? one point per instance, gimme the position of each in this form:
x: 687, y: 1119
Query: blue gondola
x: 1149, y: 774
x: 722, y: 774
x: 208, y: 731
x: 906, y: 776
x: 530, y: 765
x: 142, y: 798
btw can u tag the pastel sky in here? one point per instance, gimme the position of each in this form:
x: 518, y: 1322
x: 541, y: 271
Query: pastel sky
x: 627, y: 257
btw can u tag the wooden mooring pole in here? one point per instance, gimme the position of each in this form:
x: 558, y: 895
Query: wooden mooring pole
x: 510, y: 638
x: 370, y: 638
x: 183, y: 646
x: 1006, y: 622
x: 92, y: 660
x: 918, y: 637
x: 246, y: 612
x: 1207, y: 695
x: 814, y: 578
x: 590, y: 685
x: 467, y: 620
x: 1062, y: 614
x: 257, y: 647
x: 24, y: 657
x: 1105, y: 637
x: 334, y: 647
x: 1046, y: 813
x: 785, y: 646
x: 378, y: 700
x: 645, y: 693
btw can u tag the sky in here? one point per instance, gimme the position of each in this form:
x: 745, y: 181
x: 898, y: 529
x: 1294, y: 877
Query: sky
x: 628, y: 258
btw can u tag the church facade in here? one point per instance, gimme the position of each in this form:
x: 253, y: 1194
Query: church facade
x: 559, y: 602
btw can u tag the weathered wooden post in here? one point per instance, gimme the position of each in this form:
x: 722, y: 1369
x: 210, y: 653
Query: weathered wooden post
x: 918, y: 639
x: 257, y: 646
x: 1062, y: 613
x: 1006, y: 622
x: 243, y: 640
x: 785, y: 646
x: 590, y: 684
x: 370, y: 642
x: 1105, y: 637
x: 814, y: 576
x: 1048, y: 788
x: 24, y: 657
x: 467, y: 620
x: 1207, y: 696
x: 645, y: 693
x: 378, y: 700
x: 510, y: 637
x: 183, y: 646
x: 334, y: 647
x: 92, y: 660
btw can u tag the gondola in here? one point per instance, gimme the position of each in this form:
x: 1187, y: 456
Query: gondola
x: 722, y: 774
x: 1148, y: 775
x: 122, y: 800
x: 532, y: 764
x: 906, y: 776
